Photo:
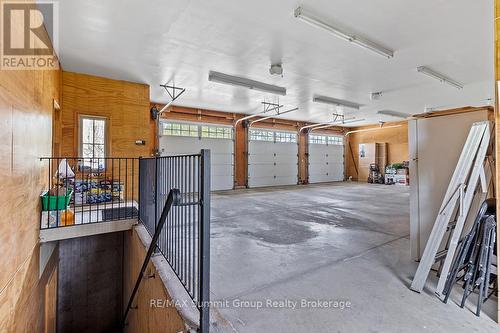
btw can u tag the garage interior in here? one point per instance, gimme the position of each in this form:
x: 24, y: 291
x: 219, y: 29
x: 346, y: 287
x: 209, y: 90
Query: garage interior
x: 193, y: 166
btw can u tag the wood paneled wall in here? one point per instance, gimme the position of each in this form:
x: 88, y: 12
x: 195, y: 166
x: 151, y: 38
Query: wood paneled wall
x: 26, y: 108
x: 396, y: 139
x: 143, y: 317
x: 91, y: 283
x: 124, y: 104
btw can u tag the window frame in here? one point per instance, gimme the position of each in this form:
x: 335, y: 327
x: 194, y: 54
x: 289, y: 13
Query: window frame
x: 215, y: 131
x: 80, y: 134
x: 326, y: 139
x: 264, y: 133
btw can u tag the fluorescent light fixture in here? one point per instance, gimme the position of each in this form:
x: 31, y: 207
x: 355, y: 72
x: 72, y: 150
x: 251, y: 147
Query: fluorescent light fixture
x: 438, y: 76
x: 302, y: 15
x: 393, y: 114
x: 244, y: 82
x: 335, y: 101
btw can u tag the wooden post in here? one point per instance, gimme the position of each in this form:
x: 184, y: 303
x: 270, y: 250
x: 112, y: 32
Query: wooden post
x: 241, y: 155
x: 303, y: 142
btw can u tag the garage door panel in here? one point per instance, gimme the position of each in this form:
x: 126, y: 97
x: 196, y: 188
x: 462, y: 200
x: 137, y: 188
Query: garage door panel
x: 285, y: 180
x: 261, y: 181
x: 256, y: 170
x: 260, y: 158
x: 319, y: 168
x: 285, y: 148
x: 286, y: 158
x: 326, y: 162
x: 260, y: 147
x: 221, y: 156
x: 221, y: 169
x: 286, y: 169
x: 222, y: 159
x: 272, y: 163
x: 272, y: 181
x: 222, y: 182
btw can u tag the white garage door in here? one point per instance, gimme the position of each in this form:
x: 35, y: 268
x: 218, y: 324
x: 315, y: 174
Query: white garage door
x: 272, y: 158
x: 326, y: 158
x: 189, y: 138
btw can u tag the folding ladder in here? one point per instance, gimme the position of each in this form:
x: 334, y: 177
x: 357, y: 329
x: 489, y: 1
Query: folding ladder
x: 472, y: 168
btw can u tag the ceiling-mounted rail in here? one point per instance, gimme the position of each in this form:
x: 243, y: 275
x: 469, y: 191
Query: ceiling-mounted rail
x: 268, y: 107
x: 371, y: 129
x: 268, y: 117
x: 336, y: 123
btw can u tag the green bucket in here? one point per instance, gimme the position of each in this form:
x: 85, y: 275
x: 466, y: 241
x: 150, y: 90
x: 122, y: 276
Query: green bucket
x: 52, y: 202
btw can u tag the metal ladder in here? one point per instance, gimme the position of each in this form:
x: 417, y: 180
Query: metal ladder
x: 472, y: 168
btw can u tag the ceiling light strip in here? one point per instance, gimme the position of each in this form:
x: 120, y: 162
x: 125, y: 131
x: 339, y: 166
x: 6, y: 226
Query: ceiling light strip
x: 440, y: 77
x: 335, y: 101
x: 393, y: 114
x: 302, y: 15
x: 244, y: 82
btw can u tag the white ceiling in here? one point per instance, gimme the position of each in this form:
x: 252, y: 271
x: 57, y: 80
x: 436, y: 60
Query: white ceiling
x: 180, y: 41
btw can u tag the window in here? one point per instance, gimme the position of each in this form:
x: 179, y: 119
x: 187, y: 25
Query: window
x: 317, y: 139
x: 286, y: 137
x: 326, y: 139
x: 93, y: 139
x: 335, y: 140
x: 261, y: 135
x: 216, y: 132
x: 180, y: 129
x: 193, y: 130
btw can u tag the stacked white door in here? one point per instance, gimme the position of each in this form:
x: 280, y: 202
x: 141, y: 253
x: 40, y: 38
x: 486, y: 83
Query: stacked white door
x: 272, y: 163
x: 326, y: 159
x: 221, y: 154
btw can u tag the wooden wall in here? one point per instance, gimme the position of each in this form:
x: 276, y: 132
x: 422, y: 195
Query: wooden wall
x: 26, y: 107
x: 90, y: 283
x: 144, y: 317
x: 397, y: 145
x: 124, y: 104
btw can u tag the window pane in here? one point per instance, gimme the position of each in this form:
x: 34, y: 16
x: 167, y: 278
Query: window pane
x: 99, y: 128
x: 216, y: 132
x: 87, y: 130
x: 87, y: 150
x: 99, y: 151
x: 93, y: 142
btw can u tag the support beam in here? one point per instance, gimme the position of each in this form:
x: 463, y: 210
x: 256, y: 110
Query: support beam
x: 240, y: 155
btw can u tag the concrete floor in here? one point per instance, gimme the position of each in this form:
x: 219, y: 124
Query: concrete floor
x: 342, y: 241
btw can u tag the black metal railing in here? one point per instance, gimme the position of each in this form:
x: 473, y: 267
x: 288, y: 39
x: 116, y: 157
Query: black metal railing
x: 89, y: 190
x: 184, y: 240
